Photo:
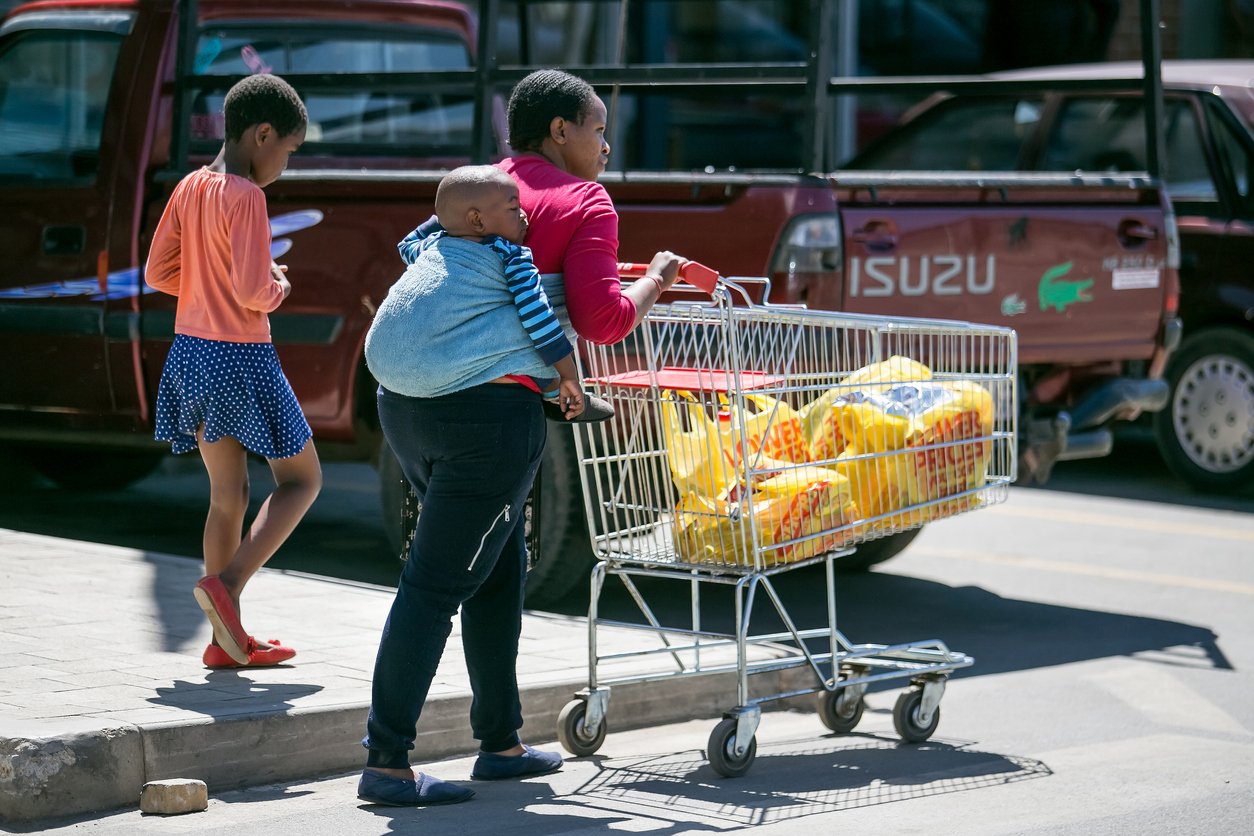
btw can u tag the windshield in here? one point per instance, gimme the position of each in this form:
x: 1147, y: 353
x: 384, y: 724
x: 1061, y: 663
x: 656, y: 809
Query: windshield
x: 353, y: 119
x: 55, y: 74
x: 984, y: 134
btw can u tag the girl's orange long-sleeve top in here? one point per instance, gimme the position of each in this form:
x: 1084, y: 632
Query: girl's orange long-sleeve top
x: 211, y: 249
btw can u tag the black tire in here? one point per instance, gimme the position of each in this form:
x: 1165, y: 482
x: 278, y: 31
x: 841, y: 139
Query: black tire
x: 562, y: 562
x: 81, y: 468
x: 872, y: 552
x: 840, y: 719
x: 1205, y: 432
x: 906, y: 717
x: 570, y: 732
x: 719, y: 750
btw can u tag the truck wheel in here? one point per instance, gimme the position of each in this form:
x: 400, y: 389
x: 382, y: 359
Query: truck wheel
x: 84, y: 469
x: 564, y: 558
x: 1206, y: 432
x: 872, y: 552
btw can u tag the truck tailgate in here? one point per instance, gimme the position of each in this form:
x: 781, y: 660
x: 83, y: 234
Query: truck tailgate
x: 1082, y: 273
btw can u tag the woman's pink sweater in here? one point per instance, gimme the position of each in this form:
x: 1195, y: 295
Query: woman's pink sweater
x: 573, y: 230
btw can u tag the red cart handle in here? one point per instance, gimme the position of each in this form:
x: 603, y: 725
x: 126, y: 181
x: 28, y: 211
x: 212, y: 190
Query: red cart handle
x: 693, y: 272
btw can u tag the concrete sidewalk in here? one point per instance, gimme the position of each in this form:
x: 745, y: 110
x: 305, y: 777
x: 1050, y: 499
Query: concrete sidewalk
x: 102, y: 686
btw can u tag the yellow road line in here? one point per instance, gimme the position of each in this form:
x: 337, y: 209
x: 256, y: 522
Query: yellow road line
x: 1110, y: 573
x: 1134, y: 523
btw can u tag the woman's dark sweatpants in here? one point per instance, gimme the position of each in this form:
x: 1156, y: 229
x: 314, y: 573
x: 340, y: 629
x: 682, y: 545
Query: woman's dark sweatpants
x: 471, y: 456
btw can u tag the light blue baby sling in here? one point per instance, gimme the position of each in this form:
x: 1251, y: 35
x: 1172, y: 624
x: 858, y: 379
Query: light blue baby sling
x: 449, y: 323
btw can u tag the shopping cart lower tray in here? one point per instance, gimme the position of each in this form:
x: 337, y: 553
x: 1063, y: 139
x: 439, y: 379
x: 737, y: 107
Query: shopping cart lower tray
x: 752, y: 440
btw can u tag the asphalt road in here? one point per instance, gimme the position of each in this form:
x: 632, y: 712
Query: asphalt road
x: 1110, y: 617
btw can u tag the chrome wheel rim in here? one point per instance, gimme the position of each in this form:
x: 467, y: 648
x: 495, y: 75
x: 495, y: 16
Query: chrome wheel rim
x: 1213, y: 413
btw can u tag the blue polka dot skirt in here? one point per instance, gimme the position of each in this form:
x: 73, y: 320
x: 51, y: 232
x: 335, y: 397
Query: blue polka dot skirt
x: 233, y: 389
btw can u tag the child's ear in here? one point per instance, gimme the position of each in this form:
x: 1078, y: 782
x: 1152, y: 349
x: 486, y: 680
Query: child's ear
x: 474, y: 220
x: 265, y: 131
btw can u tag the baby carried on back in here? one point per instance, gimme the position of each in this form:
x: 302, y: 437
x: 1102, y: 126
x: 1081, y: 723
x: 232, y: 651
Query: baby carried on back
x: 449, y: 323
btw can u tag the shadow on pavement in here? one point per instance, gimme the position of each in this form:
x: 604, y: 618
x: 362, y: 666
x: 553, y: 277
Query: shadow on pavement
x: 1003, y: 634
x: 213, y: 698
x: 789, y: 780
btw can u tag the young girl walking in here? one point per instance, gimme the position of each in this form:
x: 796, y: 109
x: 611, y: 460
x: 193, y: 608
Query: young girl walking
x: 222, y: 390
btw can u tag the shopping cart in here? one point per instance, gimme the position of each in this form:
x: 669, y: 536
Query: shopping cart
x: 752, y: 440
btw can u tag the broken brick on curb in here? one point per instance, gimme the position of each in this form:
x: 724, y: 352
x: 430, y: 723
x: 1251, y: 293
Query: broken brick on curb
x: 174, y: 796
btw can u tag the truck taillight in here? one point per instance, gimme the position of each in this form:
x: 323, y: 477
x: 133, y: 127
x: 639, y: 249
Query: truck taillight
x: 809, y: 252
x: 1173, y: 240
x: 1173, y: 262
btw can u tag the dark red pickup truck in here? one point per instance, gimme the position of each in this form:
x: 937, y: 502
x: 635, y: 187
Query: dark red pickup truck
x: 1206, y: 432
x: 105, y: 103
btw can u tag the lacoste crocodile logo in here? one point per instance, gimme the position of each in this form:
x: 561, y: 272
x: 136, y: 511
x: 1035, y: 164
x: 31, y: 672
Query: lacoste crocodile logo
x: 1055, y: 292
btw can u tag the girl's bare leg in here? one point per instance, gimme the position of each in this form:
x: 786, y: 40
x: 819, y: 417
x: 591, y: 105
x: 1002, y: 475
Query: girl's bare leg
x: 297, y: 482
x: 227, y: 464
x: 229, y: 554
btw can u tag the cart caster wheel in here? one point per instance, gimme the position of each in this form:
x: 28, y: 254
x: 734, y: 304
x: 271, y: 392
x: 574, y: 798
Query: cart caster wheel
x: 571, y: 733
x: 721, y: 751
x: 906, y: 717
x: 839, y: 715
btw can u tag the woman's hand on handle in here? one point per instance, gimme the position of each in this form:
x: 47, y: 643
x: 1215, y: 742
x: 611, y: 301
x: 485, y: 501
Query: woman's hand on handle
x: 662, y: 273
x: 665, y: 265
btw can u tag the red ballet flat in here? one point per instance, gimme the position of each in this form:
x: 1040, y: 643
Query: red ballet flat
x: 259, y: 655
x: 213, y: 598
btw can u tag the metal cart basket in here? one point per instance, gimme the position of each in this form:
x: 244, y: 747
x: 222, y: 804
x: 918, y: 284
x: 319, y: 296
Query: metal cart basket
x: 752, y: 440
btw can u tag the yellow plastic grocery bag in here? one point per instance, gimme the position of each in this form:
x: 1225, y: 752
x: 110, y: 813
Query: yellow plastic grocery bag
x: 873, y: 426
x: 813, y: 505
x: 710, y: 531
x: 699, y: 450
x: 905, y: 448
x: 711, y: 455
x: 823, y: 420
x: 879, y: 481
x: 810, y: 505
x: 774, y: 431
x: 951, y: 446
